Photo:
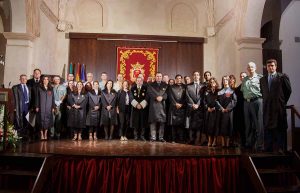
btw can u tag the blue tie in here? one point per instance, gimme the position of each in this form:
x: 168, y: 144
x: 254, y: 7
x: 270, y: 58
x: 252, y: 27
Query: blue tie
x: 25, y: 94
x: 270, y: 78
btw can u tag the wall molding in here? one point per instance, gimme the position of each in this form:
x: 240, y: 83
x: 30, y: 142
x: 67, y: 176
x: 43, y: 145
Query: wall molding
x: 49, y: 14
x: 250, y: 40
x: 250, y: 43
x: 19, y: 36
x: 224, y: 20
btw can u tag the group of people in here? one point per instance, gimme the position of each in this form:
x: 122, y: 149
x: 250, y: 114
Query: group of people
x: 252, y: 114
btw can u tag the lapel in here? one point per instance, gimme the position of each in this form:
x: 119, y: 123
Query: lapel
x: 95, y: 98
x: 193, y: 92
x: 109, y: 97
x: 79, y: 98
x: 274, y: 81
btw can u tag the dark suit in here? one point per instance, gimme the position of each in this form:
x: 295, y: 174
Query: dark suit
x: 196, y: 116
x: 21, y: 107
x: 274, y: 112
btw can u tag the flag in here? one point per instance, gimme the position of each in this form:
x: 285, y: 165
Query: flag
x: 77, y: 76
x: 63, y: 74
x: 71, y: 69
x: 82, y: 73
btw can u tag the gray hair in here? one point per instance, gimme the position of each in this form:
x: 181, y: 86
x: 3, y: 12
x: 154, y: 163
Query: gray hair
x: 252, y: 64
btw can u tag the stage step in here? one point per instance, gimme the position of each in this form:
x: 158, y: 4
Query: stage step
x: 18, y: 172
x: 14, y: 191
x: 290, y: 189
x: 278, y: 172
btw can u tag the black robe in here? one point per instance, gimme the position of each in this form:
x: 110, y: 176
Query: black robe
x: 34, y: 86
x: 176, y: 94
x: 211, y: 123
x: 109, y: 117
x: 138, y: 117
x: 226, y: 100
x: 238, y: 112
x: 45, y: 102
x: 20, y: 106
x: 196, y: 117
x: 274, y: 101
x: 157, y: 110
x: 93, y: 116
x: 77, y: 117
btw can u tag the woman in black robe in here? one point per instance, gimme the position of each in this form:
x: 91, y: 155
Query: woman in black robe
x: 124, y: 109
x: 211, y: 96
x: 77, y: 100
x: 226, y: 102
x: 109, y: 109
x: 93, y: 115
x: 44, y: 107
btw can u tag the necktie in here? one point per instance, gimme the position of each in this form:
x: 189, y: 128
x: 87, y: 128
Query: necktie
x: 197, y: 88
x: 139, y: 90
x: 25, y: 94
x: 270, y: 78
x: 127, y: 99
x: 36, y: 81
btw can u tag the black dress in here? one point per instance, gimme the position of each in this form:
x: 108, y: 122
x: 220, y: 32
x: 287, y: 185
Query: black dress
x: 226, y: 100
x: 77, y: 117
x: 211, y: 117
x: 109, y: 117
x: 93, y: 116
x: 45, y: 102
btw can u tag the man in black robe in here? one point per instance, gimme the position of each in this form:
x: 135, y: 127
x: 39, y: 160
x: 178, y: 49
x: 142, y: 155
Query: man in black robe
x: 22, y: 94
x: 157, y: 95
x: 34, y: 83
x: 238, y: 112
x: 276, y: 91
x: 196, y: 108
x: 138, y: 118
x: 177, y: 108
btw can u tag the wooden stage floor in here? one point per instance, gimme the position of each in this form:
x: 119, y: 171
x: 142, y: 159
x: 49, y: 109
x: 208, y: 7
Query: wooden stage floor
x: 119, y: 148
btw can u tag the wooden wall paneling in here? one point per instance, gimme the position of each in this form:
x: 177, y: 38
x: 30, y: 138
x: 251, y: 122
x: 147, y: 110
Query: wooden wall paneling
x: 83, y: 51
x: 189, y: 58
x: 168, y: 59
x: 100, y: 55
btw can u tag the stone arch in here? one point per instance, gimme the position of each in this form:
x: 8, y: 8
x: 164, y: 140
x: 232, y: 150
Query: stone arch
x: 18, y: 16
x: 183, y: 17
x: 251, y: 23
x: 89, y: 15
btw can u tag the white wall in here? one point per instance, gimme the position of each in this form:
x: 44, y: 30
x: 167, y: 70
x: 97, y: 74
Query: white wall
x: 289, y: 29
x: 152, y: 17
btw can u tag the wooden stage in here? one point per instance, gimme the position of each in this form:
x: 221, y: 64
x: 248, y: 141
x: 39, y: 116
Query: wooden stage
x: 119, y: 166
x: 119, y: 148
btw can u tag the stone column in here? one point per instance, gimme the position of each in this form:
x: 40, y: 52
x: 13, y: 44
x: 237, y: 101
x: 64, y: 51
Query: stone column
x: 18, y: 59
x: 249, y: 49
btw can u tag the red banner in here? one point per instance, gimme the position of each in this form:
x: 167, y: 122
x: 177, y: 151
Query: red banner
x: 134, y: 61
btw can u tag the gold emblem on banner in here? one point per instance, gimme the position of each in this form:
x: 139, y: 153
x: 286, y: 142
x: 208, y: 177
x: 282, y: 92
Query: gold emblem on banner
x: 135, y: 70
x: 150, y: 56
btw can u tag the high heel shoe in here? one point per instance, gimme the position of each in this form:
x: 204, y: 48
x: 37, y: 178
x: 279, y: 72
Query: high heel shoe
x: 75, y: 137
x: 79, y: 137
